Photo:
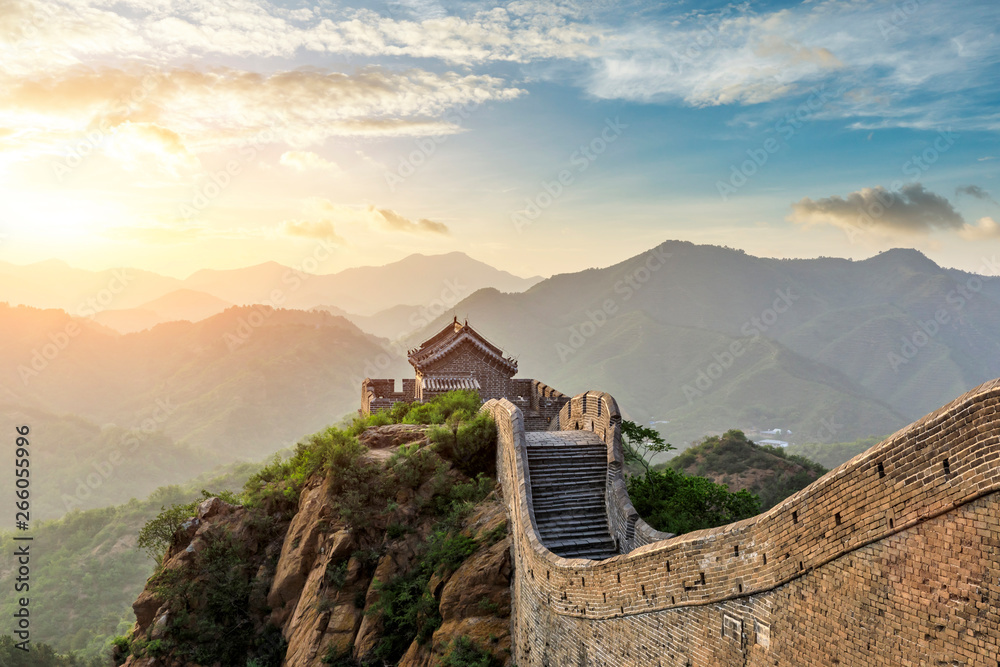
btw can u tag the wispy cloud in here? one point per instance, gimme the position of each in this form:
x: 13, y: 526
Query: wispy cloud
x: 306, y: 161
x: 389, y: 219
x: 321, y: 229
x: 976, y: 192
x: 300, y: 108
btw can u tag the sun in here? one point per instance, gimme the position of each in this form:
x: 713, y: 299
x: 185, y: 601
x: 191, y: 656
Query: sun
x: 56, y: 217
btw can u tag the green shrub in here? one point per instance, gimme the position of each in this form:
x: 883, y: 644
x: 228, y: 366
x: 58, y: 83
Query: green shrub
x: 412, y: 465
x: 677, y: 503
x: 424, y: 413
x: 362, y: 490
x: 336, y: 658
x: 336, y: 574
x: 156, y: 536
x: 409, y: 612
x: 463, y: 652
x: 470, y: 445
x: 455, y: 401
x: 218, y: 583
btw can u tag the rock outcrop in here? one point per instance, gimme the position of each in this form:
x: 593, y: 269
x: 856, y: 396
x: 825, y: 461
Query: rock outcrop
x: 312, y: 582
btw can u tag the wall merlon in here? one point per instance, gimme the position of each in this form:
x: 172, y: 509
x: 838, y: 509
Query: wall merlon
x: 828, y: 562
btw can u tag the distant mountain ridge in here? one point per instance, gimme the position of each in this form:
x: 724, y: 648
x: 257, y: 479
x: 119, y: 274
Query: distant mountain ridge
x: 436, y: 282
x: 710, y: 338
x: 704, y: 338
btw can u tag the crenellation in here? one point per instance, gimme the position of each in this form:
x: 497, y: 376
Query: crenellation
x: 851, y: 577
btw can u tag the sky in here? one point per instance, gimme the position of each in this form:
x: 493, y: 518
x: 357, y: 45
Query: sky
x: 540, y: 137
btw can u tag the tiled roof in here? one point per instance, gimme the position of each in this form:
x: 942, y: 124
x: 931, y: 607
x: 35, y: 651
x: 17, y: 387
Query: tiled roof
x: 450, y: 383
x: 451, y: 337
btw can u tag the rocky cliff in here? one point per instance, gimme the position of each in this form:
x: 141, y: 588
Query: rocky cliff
x: 396, y: 558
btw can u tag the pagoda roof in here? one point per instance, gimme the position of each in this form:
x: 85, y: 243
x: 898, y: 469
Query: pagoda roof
x: 451, y: 337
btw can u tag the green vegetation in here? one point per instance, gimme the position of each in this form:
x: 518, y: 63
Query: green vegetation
x: 833, y: 454
x: 91, y: 570
x: 407, y: 609
x: 641, y: 444
x: 41, y: 655
x: 463, y: 652
x: 770, y: 473
x: 676, y: 503
x: 671, y: 501
x: 156, y: 536
x: 219, y: 595
x: 468, y: 442
x: 216, y: 596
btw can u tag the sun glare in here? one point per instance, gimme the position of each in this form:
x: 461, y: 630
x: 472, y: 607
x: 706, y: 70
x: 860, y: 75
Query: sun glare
x: 56, y: 218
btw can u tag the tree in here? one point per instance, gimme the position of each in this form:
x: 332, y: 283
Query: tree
x: 641, y: 443
x: 671, y: 501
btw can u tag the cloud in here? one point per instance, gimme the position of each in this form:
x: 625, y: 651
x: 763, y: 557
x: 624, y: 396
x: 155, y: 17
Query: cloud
x: 168, y: 30
x: 986, y: 228
x: 910, y: 210
x: 299, y: 107
x: 149, y: 147
x: 975, y: 191
x: 389, y: 219
x: 307, y: 160
x: 322, y: 229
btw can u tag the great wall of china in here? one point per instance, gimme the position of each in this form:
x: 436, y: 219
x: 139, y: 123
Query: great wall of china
x: 891, y: 559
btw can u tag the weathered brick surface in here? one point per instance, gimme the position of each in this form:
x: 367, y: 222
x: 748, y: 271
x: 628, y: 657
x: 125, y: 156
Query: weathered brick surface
x: 890, y: 559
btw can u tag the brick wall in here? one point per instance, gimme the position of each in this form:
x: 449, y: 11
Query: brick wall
x: 890, y: 559
x: 494, y: 381
x: 380, y: 394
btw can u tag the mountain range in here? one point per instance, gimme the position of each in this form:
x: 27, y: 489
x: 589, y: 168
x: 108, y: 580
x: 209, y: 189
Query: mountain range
x: 130, y: 300
x: 700, y: 339
x: 709, y: 338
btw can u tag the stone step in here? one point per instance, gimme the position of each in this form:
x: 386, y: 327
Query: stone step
x: 598, y: 529
x: 546, y: 476
x: 555, y: 512
x: 567, y: 450
x: 559, y: 468
x: 582, y: 544
x: 556, y: 486
x: 567, y: 500
x: 568, y: 475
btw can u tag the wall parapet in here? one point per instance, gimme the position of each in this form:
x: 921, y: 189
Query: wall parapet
x: 944, y: 461
x: 597, y: 411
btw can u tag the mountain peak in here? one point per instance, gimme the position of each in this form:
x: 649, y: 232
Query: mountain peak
x: 906, y: 257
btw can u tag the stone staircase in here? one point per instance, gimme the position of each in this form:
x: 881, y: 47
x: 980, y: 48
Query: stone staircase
x: 568, y: 473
